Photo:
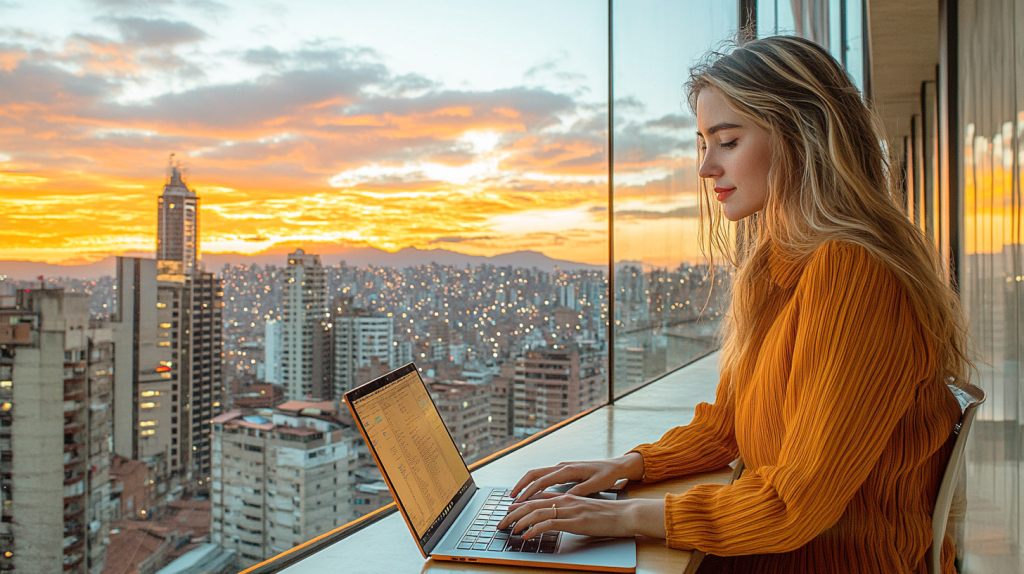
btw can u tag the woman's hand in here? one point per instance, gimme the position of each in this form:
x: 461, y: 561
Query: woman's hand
x: 592, y: 476
x: 587, y: 516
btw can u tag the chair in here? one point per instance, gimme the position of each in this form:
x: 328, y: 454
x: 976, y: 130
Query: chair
x: 970, y: 397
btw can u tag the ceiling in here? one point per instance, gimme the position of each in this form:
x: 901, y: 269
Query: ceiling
x: 904, y: 51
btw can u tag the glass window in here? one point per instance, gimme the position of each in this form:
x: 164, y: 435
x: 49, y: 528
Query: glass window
x: 665, y: 310
x: 448, y: 167
x: 835, y: 24
x: 991, y: 127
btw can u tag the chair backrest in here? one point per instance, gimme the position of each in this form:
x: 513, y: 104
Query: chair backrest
x: 970, y: 397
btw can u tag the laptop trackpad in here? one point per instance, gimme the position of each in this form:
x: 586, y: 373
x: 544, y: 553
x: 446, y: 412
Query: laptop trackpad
x: 603, y: 495
x: 575, y: 542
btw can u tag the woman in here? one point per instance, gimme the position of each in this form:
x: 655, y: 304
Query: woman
x: 839, y: 342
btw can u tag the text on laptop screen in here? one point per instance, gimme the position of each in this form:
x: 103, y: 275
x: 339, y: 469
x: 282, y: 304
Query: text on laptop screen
x: 414, y: 448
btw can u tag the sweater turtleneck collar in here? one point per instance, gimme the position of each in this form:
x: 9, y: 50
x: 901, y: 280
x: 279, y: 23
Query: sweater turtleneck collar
x: 783, y: 269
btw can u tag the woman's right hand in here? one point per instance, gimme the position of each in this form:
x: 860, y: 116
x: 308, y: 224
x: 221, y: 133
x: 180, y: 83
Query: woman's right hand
x: 591, y: 476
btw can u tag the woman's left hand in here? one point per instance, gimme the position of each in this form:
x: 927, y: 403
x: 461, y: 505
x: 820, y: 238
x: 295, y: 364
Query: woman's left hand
x: 587, y: 516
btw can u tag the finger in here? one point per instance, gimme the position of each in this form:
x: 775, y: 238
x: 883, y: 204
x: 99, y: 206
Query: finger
x: 542, y: 495
x: 560, y: 476
x: 535, y: 516
x: 542, y: 527
x: 530, y: 477
x: 521, y: 511
x: 587, y: 487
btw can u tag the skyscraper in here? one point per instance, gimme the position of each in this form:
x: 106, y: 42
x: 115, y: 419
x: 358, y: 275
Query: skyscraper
x: 177, y: 236
x: 201, y: 324
x: 306, y: 350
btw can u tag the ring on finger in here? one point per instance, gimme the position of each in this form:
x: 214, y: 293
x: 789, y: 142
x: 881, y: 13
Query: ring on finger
x: 555, y: 510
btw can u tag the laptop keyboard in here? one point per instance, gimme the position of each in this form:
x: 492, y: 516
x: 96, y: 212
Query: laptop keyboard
x: 484, y: 535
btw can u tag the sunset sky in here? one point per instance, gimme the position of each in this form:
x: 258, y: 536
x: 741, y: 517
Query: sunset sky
x: 478, y: 127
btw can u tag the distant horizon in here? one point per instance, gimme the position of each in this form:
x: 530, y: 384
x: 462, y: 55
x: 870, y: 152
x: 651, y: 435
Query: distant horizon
x: 358, y: 257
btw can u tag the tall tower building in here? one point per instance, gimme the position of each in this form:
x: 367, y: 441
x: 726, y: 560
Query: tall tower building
x: 177, y: 237
x: 199, y: 325
x: 306, y: 350
x: 364, y: 345
x: 54, y: 385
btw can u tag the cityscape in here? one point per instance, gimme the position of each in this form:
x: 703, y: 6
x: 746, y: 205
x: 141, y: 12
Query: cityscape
x: 217, y: 217
x: 202, y: 409
x: 347, y: 192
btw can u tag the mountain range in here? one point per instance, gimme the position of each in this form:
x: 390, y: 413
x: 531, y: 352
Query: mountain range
x: 357, y: 257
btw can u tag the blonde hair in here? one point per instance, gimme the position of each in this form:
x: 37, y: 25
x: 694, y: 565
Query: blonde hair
x: 829, y: 181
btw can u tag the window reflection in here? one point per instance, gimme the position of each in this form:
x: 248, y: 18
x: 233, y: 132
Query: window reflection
x: 991, y: 271
x: 835, y: 24
x: 666, y: 311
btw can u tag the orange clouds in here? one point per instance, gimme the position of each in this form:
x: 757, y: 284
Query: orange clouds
x: 316, y: 146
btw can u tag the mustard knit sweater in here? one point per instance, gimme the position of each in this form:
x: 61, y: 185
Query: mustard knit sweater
x: 841, y: 420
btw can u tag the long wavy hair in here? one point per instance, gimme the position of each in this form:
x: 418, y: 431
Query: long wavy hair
x: 830, y: 180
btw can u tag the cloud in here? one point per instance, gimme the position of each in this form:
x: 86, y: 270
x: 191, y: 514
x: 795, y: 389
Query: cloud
x: 416, y: 163
x: 463, y: 239
x: 145, y: 5
x: 265, y: 56
x: 157, y: 32
x: 47, y: 87
x: 673, y: 122
x: 208, y: 6
x: 678, y: 213
x: 551, y: 69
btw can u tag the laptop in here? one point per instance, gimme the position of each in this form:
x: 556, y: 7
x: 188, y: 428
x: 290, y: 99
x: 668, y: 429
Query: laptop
x: 449, y: 515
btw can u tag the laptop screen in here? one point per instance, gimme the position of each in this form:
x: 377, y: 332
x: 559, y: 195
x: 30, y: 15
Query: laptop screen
x: 414, y: 449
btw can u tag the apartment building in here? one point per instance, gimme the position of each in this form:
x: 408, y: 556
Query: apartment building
x: 202, y: 395
x: 151, y: 373
x: 465, y: 409
x: 363, y: 345
x: 54, y: 387
x: 501, y: 418
x: 99, y: 393
x: 273, y: 357
x: 552, y: 384
x: 280, y: 477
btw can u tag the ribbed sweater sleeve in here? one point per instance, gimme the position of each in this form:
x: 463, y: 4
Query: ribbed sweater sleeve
x: 856, y: 358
